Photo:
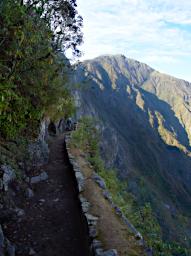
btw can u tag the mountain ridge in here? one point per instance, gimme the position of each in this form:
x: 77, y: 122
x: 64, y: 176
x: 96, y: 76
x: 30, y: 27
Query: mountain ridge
x: 131, y: 60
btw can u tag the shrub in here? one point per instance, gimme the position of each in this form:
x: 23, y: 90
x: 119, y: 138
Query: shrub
x: 86, y: 136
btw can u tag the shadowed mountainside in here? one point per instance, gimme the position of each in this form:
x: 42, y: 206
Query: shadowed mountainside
x: 145, y: 124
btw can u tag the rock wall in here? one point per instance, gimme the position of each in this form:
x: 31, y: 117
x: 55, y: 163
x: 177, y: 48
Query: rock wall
x: 12, y: 180
x: 96, y: 245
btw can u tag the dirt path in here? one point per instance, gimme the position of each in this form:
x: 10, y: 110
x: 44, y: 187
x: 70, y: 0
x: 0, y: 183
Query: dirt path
x: 53, y: 224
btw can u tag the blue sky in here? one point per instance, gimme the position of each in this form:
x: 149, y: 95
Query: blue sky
x: 157, y: 32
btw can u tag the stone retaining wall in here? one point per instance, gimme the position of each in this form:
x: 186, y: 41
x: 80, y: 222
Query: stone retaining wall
x: 92, y: 220
x: 96, y: 245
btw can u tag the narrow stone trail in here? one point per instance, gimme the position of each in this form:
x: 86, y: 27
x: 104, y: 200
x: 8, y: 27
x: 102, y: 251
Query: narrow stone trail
x: 53, y: 224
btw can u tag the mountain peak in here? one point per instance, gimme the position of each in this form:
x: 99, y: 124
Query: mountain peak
x: 120, y: 58
x: 119, y: 67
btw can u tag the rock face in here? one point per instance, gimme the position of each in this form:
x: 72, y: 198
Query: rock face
x: 145, y: 120
x: 14, y: 181
x: 8, y: 176
x: 38, y: 150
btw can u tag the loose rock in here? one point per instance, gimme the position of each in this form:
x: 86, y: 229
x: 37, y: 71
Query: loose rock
x: 96, y: 244
x: 107, y: 195
x: 19, y: 212
x: 29, y: 193
x: 42, y: 177
x: 42, y: 200
x: 80, y: 180
x: 111, y: 252
x: 10, y: 248
x: 8, y: 176
x: 118, y: 211
x: 32, y: 252
x: 92, y: 220
x: 85, y: 206
x: 99, y: 252
x: 92, y: 231
x: 99, y: 181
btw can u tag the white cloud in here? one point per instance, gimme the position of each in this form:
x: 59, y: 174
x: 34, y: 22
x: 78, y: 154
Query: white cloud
x: 154, y: 31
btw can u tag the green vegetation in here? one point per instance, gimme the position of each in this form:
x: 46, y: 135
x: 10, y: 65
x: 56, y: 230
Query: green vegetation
x: 33, y: 76
x: 86, y: 137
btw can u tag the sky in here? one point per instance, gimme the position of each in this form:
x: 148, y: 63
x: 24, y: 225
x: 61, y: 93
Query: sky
x: 156, y: 32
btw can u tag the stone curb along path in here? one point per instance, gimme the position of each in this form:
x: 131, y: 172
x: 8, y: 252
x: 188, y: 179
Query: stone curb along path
x: 108, y: 196
x: 96, y: 245
x: 92, y: 221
